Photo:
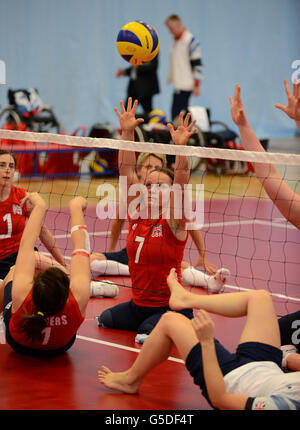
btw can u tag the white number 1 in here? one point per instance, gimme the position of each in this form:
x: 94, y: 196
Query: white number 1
x: 46, y: 333
x: 138, y: 251
x: 7, y: 218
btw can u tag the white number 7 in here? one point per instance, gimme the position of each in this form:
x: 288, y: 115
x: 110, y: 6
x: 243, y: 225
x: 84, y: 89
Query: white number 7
x: 138, y: 251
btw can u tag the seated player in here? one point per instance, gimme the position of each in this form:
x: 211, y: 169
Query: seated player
x: 250, y: 378
x: 115, y: 263
x: 155, y: 243
x: 43, y: 307
x: 14, y: 212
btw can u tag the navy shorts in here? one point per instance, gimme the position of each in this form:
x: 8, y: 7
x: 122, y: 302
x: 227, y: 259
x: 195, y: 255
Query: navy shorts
x: 6, y: 264
x: 246, y: 352
x: 119, y: 256
x: 7, y: 303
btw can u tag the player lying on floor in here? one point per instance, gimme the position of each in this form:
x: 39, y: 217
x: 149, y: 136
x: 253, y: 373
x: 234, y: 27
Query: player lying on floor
x: 250, y: 378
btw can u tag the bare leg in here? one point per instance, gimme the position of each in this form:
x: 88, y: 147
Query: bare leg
x: 172, y: 328
x: 42, y: 262
x: 262, y: 324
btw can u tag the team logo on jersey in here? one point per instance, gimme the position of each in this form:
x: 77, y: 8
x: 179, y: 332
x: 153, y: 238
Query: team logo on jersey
x: 157, y: 231
x: 17, y: 210
x: 134, y: 226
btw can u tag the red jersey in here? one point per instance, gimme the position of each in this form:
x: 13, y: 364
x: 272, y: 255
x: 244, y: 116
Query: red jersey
x: 152, y: 251
x: 60, y: 327
x: 12, y: 221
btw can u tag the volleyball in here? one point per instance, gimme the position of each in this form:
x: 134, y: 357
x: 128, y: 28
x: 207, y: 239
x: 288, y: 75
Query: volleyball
x: 157, y: 117
x: 138, y: 42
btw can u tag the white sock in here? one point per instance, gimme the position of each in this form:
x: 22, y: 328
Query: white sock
x: 196, y: 278
x: 109, y: 267
x: 103, y: 288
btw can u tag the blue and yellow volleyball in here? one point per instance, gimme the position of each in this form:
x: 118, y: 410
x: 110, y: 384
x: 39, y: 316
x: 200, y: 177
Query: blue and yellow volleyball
x: 138, y: 42
x: 157, y: 117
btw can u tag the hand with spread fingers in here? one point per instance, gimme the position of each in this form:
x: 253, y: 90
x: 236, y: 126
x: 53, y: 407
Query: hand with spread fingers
x: 292, y: 109
x: 181, y: 135
x: 128, y: 121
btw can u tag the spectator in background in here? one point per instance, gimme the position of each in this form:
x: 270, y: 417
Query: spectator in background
x: 143, y: 83
x: 185, y: 65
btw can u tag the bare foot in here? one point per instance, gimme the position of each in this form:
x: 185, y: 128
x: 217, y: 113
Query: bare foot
x: 179, y: 298
x: 119, y: 381
x: 97, y: 256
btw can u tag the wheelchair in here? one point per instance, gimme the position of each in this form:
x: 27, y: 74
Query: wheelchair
x: 210, y: 134
x: 42, y: 119
x: 27, y: 112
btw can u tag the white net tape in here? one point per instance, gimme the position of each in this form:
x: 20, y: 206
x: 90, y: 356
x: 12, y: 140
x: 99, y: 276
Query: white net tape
x: 191, y: 151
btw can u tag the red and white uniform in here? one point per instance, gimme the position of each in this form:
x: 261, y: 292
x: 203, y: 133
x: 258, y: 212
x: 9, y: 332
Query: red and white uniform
x: 152, y: 251
x: 12, y: 221
x: 60, y: 327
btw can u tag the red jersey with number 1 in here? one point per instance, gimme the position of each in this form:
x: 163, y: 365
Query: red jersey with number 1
x: 12, y: 221
x: 152, y: 250
x: 59, y: 330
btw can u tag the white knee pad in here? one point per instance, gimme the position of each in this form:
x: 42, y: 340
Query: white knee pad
x: 109, y: 267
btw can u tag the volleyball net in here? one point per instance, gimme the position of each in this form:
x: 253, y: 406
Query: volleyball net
x: 242, y: 229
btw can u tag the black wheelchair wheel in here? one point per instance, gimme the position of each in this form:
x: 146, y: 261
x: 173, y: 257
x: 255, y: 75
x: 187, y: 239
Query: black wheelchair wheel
x: 11, y: 115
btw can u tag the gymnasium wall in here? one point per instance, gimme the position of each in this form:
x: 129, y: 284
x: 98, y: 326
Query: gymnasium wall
x: 66, y: 49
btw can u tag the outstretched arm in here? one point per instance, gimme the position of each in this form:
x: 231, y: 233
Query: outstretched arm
x: 46, y: 237
x: 180, y: 137
x: 219, y: 397
x: 116, y: 229
x: 286, y: 200
x: 293, y: 107
x: 80, y: 275
x: 48, y: 240
x: 128, y: 123
x: 25, y: 264
x: 202, y: 261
